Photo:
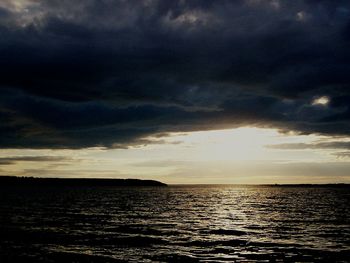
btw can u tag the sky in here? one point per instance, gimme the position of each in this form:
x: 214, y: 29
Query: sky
x: 182, y: 91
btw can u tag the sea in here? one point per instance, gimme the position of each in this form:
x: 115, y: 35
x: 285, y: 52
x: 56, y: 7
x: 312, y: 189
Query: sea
x: 178, y: 223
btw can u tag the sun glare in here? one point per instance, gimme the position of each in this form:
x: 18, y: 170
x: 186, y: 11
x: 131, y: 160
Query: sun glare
x: 248, y: 143
x: 237, y: 144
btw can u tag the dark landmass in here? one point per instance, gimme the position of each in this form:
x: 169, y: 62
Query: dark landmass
x: 37, y: 181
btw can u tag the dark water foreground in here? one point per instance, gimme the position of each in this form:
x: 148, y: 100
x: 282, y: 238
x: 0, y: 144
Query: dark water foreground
x: 174, y: 224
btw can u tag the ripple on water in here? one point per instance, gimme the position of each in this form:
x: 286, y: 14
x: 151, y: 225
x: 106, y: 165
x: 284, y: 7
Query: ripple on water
x: 175, y: 224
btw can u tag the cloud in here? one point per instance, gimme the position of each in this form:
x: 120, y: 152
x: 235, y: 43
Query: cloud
x: 15, y: 159
x: 80, y: 74
x: 342, y: 155
x: 303, y: 146
x: 69, y: 173
x: 162, y: 163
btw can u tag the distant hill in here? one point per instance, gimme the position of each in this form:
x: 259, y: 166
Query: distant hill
x: 36, y: 181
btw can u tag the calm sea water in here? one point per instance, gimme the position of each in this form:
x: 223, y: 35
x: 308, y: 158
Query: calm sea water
x: 175, y: 224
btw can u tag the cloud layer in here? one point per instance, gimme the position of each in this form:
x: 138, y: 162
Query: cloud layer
x: 15, y: 159
x: 90, y: 73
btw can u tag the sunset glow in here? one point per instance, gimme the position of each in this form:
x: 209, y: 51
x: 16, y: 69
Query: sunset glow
x: 233, y: 155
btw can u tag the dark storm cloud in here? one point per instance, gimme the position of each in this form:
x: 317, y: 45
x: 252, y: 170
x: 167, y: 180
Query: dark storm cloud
x: 108, y: 73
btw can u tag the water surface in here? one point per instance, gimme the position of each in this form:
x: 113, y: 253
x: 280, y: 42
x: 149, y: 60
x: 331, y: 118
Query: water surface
x: 175, y: 224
